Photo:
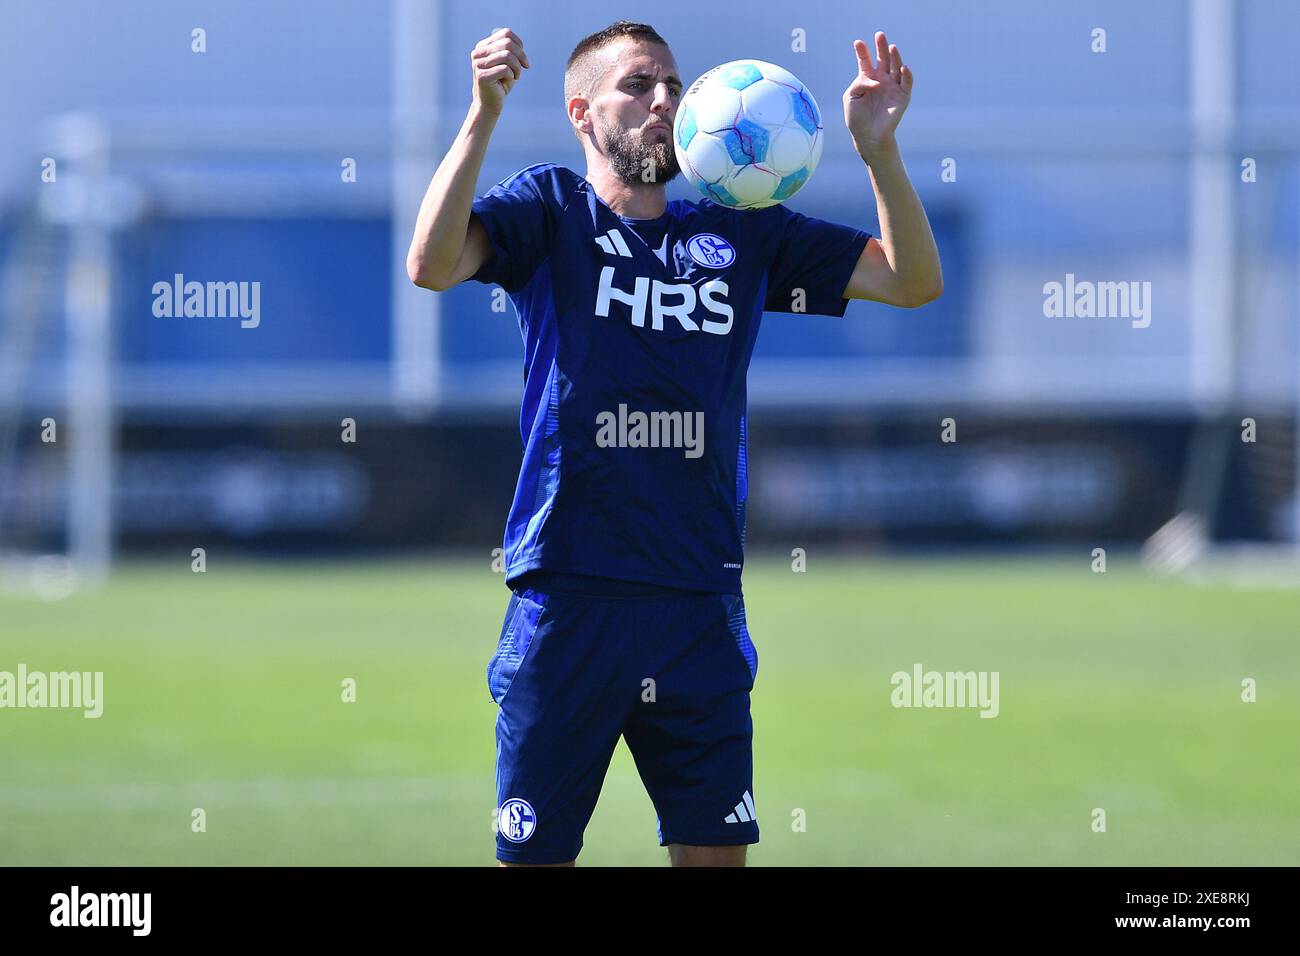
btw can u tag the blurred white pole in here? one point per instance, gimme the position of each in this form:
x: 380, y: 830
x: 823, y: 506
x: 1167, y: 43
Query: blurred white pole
x: 1212, y: 81
x: 416, y: 46
x: 1295, y: 467
x: 1212, y: 313
x: 88, y: 388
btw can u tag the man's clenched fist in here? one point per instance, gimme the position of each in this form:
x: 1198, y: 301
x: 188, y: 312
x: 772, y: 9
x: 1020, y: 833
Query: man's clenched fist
x: 498, y: 60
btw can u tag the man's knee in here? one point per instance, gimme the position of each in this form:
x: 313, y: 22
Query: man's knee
x: 682, y: 855
x: 506, y: 863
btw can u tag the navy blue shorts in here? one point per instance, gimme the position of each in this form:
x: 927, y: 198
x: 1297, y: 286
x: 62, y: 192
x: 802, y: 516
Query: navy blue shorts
x: 670, y: 672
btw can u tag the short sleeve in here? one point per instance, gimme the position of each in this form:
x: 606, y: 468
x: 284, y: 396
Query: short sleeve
x: 518, y: 220
x: 816, y: 256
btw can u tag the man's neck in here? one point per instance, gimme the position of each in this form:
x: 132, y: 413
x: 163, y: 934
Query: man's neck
x: 642, y: 201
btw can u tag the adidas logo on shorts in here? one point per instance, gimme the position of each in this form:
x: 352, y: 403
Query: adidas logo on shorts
x: 744, y: 812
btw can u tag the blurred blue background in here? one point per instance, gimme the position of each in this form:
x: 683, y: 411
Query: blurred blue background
x: 1115, y: 164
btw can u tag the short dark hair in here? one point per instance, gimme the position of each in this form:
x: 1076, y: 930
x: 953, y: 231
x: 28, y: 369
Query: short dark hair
x: 583, y: 67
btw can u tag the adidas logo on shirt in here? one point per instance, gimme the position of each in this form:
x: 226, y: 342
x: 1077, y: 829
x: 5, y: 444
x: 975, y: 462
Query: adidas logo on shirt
x: 614, y: 244
x: 744, y: 812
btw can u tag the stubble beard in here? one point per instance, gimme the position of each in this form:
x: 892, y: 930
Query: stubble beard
x: 627, y: 152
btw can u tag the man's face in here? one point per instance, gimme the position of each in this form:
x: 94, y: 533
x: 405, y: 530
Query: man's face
x: 634, y: 110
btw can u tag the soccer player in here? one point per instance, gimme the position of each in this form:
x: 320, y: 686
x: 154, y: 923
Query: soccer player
x: 624, y: 543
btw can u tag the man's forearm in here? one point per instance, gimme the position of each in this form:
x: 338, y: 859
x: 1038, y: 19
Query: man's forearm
x: 443, y: 220
x: 905, y: 234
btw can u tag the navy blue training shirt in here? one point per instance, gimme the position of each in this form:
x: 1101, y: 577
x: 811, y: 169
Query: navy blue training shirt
x: 637, y: 339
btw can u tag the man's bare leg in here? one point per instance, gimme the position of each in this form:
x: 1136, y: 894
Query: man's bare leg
x: 682, y: 855
x: 504, y: 863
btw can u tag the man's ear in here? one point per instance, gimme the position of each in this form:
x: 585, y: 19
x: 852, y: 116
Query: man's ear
x: 580, y: 115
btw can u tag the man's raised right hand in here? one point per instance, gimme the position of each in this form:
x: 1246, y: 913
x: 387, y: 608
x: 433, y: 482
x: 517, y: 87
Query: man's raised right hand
x: 497, y: 60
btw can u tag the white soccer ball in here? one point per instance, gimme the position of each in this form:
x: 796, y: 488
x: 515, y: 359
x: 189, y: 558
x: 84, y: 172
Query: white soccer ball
x: 748, y: 134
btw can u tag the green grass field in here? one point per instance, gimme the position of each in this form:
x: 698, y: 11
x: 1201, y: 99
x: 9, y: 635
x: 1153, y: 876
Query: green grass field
x: 222, y: 691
